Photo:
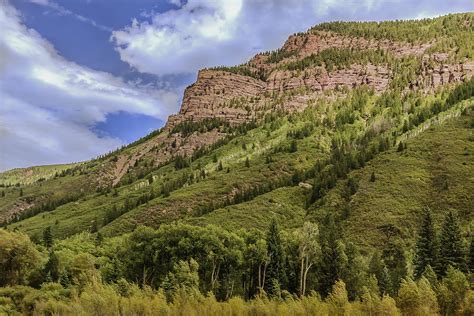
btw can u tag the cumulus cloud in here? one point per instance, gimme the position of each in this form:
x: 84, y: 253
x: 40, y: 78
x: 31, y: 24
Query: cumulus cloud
x: 48, y: 105
x: 205, y: 33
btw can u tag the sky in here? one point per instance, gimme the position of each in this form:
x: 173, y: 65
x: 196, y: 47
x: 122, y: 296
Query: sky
x: 79, y: 78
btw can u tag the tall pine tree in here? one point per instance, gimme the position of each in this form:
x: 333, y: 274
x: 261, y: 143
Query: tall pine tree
x: 48, y: 237
x: 426, y: 246
x: 275, y: 273
x: 333, y: 256
x: 51, y: 268
x: 451, y: 248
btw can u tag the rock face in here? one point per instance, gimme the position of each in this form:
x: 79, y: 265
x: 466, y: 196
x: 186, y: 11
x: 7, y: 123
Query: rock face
x: 319, y: 79
x: 209, y: 96
x: 237, y: 98
x: 314, y: 42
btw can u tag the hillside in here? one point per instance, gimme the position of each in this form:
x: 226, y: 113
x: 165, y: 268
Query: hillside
x: 314, y: 69
x: 22, y: 176
x: 357, y: 127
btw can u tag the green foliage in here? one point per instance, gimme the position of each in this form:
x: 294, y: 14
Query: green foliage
x: 309, y: 251
x: 451, y: 31
x: 25, y: 176
x: 338, y: 157
x: 334, y: 259
x: 275, y: 273
x: 427, y: 245
x: 18, y: 258
x: 454, y: 294
x: 417, y: 298
x: 278, y: 55
x: 180, y: 162
x: 48, y: 237
x: 186, y: 128
x: 452, y: 251
x: 244, y: 70
x: 339, y: 58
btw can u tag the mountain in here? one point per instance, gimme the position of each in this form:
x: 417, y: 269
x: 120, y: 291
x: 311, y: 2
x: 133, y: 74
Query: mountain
x: 358, y: 127
x: 333, y: 86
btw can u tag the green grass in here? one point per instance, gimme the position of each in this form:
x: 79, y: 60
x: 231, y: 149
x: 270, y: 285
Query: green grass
x: 435, y: 171
x: 285, y: 204
x: 30, y: 175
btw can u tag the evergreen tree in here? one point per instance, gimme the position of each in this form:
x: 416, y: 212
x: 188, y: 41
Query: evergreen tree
x: 334, y: 259
x: 51, y: 268
x: 275, y: 273
x: 372, y: 177
x: 426, y: 246
x: 293, y: 146
x: 47, y: 237
x: 451, y: 250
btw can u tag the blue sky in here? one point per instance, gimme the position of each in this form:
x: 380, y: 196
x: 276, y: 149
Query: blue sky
x: 80, y: 77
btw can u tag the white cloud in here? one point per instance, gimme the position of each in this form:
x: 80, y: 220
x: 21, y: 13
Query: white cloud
x: 205, y: 33
x: 48, y: 104
x: 63, y: 11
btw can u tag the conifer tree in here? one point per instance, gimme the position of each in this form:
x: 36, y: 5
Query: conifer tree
x: 293, y: 146
x: 48, y: 237
x: 372, y: 177
x: 275, y: 273
x: 247, y: 162
x: 333, y: 256
x: 51, y: 268
x: 451, y: 248
x: 427, y: 245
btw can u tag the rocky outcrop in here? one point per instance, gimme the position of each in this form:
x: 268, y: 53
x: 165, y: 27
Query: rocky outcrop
x: 436, y: 73
x: 209, y: 96
x: 237, y: 98
x: 311, y: 43
x: 319, y: 79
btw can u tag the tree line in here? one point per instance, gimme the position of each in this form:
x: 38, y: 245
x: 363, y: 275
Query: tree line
x: 180, y: 261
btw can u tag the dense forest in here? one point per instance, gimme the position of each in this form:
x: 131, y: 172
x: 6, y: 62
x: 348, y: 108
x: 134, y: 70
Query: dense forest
x: 184, y: 269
